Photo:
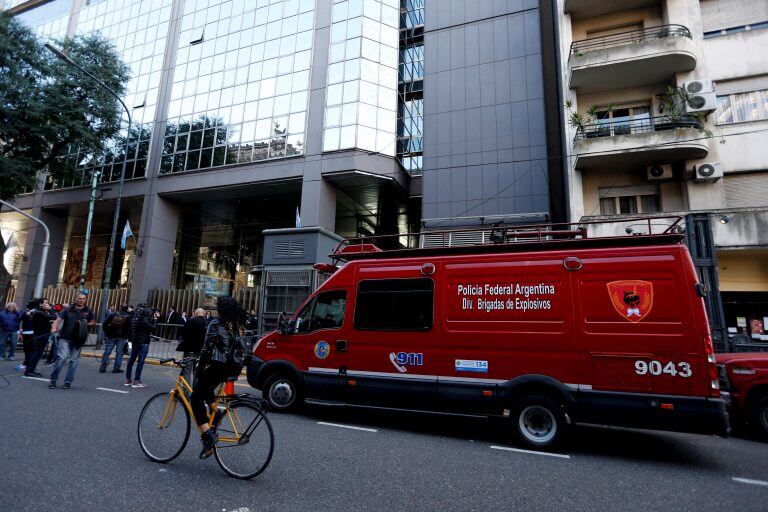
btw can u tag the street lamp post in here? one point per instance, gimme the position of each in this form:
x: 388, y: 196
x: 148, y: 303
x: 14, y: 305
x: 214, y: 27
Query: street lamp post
x: 110, y: 255
x: 44, y: 256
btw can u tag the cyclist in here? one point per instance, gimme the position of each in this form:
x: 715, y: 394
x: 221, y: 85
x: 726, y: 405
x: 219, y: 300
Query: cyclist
x: 220, y: 359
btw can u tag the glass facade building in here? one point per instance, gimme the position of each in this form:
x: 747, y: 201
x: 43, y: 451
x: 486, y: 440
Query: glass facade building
x: 360, y: 117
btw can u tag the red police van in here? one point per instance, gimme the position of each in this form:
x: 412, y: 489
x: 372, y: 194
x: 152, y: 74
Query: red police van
x: 546, y: 326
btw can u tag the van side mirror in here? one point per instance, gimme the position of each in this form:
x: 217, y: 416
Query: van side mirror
x: 283, y: 324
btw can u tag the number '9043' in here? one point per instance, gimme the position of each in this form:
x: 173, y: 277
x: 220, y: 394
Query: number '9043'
x: 681, y: 369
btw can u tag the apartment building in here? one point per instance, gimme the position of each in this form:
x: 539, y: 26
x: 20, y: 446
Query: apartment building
x: 348, y: 117
x: 666, y: 110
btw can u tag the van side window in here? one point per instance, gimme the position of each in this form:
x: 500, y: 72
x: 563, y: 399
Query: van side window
x: 395, y: 304
x: 325, y: 311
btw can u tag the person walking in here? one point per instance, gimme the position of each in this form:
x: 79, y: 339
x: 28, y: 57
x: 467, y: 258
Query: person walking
x: 192, y: 338
x: 116, y: 327
x: 10, y: 328
x: 143, y: 324
x: 72, y: 325
x: 41, y: 317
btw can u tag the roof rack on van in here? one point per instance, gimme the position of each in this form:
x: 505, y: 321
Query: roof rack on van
x: 514, y: 238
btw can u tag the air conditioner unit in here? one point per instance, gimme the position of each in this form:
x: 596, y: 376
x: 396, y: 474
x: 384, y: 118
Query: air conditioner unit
x: 700, y: 96
x: 708, y: 172
x: 659, y: 172
x: 699, y: 87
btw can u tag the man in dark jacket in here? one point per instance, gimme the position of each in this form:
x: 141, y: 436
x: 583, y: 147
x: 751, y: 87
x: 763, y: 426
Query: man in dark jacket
x: 73, y: 322
x: 116, y: 327
x: 143, y: 324
x: 40, y: 318
x: 193, y: 336
x: 10, y: 327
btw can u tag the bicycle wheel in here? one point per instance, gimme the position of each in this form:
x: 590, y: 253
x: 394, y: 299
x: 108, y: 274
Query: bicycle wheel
x: 246, y: 441
x: 163, y: 428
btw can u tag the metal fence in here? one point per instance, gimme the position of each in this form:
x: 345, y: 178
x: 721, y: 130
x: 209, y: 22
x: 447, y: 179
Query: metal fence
x: 189, y: 300
x: 613, y: 128
x: 630, y: 37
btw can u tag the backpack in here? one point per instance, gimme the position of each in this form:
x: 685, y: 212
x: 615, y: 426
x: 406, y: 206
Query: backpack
x: 116, y: 326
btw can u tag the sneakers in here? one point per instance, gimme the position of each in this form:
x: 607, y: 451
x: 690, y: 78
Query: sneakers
x: 20, y: 368
x: 33, y: 374
x: 209, y: 440
x: 138, y: 384
x: 102, y: 370
x: 51, y: 385
x: 117, y: 370
x: 128, y: 382
x: 66, y: 385
x: 11, y: 358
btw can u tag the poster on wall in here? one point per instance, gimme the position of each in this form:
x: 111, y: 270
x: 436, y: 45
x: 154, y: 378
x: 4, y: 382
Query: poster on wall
x: 756, y: 328
x: 73, y: 267
x: 741, y: 321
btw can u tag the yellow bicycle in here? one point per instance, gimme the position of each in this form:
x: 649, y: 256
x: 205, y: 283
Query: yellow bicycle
x: 246, y: 440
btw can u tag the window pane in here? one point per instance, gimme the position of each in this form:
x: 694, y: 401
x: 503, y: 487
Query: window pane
x: 608, y: 206
x: 395, y: 304
x: 650, y: 204
x: 628, y: 204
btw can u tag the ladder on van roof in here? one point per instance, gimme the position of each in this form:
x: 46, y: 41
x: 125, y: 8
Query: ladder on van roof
x: 515, y: 238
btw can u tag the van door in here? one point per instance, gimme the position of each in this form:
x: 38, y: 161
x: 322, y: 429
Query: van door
x: 392, y: 352
x: 319, y: 334
x: 635, y: 320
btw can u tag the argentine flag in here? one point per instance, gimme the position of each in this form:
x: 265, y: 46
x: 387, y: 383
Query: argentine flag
x: 126, y: 234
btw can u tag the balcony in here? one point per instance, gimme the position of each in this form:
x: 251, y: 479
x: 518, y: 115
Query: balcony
x: 579, y: 9
x: 629, y: 59
x: 638, y: 142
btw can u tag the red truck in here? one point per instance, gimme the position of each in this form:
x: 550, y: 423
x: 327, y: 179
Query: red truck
x: 744, y: 382
x: 546, y: 327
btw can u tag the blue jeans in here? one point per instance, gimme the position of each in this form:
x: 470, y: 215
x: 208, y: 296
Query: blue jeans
x: 65, y: 350
x: 8, y: 337
x: 140, y: 352
x: 113, y: 343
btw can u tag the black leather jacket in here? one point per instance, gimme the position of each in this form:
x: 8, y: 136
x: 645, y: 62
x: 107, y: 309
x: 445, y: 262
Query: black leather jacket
x: 141, y: 329
x: 219, y: 343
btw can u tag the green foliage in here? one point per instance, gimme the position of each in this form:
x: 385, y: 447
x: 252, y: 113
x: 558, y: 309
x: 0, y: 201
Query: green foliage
x: 46, y: 105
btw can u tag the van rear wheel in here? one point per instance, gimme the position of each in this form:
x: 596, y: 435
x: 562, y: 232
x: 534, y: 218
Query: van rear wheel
x: 539, y: 422
x: 282, y: 392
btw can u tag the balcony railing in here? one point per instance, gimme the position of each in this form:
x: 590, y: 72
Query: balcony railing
x: 632, y: 37
x: 634, y: 126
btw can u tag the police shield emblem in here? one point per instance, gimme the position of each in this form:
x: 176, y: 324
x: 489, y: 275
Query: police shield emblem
x: 632, y: 299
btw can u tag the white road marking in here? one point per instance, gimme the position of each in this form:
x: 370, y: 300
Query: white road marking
x: 510, y: 449
x: 113, y: 390
x: 749, y: 481
x: 37, y: 378
x: 346, y: 426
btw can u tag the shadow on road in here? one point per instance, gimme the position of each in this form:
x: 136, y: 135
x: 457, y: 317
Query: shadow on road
x: 588, y: 440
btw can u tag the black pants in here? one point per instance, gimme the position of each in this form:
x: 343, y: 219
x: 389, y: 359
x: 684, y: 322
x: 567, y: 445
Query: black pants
x: 207, y: 381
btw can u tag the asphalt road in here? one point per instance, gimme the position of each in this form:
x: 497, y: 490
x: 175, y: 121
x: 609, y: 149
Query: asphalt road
x: 77, y: 450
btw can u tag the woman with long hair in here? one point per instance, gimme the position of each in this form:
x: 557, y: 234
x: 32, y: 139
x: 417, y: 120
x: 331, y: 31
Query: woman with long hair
x: 220, y: 359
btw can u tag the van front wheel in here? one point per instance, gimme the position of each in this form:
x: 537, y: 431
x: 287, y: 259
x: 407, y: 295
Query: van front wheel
x: 539, y: 422
x: 760, y: 417
x: 281, y: 393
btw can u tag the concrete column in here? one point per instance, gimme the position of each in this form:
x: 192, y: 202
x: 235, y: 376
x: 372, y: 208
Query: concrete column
x: 57, y: 224
x: 318, y: 202
x: 156, y: 243
x: 318, y: 197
